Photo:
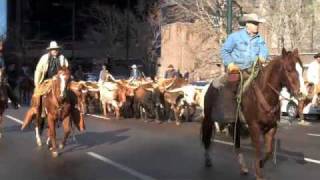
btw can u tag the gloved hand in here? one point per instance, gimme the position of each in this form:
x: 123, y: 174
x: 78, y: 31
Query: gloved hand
x: 233, y: 68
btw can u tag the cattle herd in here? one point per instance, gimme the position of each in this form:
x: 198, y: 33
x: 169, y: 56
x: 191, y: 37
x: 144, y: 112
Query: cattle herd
x: 160, y: 101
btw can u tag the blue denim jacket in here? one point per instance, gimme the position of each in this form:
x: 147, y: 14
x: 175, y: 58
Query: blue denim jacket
x: 242, y: 49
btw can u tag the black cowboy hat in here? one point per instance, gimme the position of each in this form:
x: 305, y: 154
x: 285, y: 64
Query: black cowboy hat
x: 317, y: 55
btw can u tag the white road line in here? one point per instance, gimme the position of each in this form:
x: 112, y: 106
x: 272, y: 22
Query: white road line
x: 316, y: 135
x: 121, y: 167
x: 281, y: 154
x: 97, y: 116
x: 14, y: 119
x: 312, y: 160
x: 223, y: 142
x: 315, y: 161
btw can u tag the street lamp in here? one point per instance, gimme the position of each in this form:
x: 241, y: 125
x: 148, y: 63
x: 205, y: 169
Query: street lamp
x: 73, y: 6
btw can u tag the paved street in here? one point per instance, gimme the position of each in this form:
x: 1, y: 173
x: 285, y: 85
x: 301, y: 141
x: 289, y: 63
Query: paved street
x: 131, y: 149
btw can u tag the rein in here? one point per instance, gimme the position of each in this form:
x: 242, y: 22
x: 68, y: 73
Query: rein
x: 263, y: 100
x: 54, y: 95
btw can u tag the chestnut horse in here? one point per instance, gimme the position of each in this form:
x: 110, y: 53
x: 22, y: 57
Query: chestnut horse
x: 3, y: 97
x: 58, y: 107
x: 260, y: 107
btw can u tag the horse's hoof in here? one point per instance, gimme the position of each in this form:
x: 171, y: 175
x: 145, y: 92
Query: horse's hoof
x: 49, y: 145
x: 39, y: 143
x: 260, y: 178
x: 61, y: 146
x: 208, y: 163
x: 244, y: 171
x: 55, y: 154
x: 178, y: 123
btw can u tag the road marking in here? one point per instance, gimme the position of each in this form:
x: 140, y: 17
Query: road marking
x: 97, y: 156
x: 223, y: 142
x: 312, y: 160
x: 316, y: 135
x: 121, y: 167
x: 97, y: 116
x: 315, y: 161
x: 14, y: 119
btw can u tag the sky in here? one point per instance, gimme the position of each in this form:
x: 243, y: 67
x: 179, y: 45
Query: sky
x: 3, y: 18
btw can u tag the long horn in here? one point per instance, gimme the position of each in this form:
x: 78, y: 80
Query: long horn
x: 175, y: 90
x: 168, y: 86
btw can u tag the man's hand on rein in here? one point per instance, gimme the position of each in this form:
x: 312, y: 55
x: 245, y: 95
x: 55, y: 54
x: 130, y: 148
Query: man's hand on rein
x: 233, y: 68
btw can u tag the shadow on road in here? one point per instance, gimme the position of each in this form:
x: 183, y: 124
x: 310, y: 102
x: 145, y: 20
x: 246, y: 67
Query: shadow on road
x: 16, y: 128
x: 285, y: 155
x: 91, y: 139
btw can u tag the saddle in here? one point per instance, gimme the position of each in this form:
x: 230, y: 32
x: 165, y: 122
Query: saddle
x: 226, y: 96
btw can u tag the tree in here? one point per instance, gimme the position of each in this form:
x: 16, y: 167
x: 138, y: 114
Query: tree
x: 290, y: 22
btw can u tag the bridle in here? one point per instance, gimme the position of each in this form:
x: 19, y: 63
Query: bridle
x: 58, y: 98
x: 266, y: 106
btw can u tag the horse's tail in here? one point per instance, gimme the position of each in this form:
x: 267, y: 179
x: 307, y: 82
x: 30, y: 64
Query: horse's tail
x: 207, y: 123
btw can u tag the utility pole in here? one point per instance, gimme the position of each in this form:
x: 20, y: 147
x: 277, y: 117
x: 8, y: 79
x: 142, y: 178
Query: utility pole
x: 73, y: 27
x: 229, y: 16
x: 127, y: 31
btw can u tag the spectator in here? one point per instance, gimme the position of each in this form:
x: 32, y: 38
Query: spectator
x: 79, y: 75
x: 171, y: 72
x: 313, y: 74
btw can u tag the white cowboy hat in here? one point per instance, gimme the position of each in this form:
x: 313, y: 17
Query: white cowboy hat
x: 134, y: 66
x: 53, y: 45
x: 252, y: 18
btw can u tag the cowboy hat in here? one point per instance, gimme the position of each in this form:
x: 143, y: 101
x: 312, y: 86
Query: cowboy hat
x: 317, y: 55
x: 53, y: 45
x: 170, y: 66
x: 134, y: 66
x: 252, y: 17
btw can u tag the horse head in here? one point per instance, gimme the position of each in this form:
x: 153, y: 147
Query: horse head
x: 292, y: 71
x: 62, y: 80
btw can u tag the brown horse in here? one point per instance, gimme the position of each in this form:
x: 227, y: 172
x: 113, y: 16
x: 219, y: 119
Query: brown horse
x: 260, y: 107
x: 3, y: 97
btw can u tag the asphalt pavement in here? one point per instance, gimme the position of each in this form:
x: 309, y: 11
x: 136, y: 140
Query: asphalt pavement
x: 134, y: 150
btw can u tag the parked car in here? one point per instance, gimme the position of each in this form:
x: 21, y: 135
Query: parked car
x: 289, y: 107
x: 91, y: 77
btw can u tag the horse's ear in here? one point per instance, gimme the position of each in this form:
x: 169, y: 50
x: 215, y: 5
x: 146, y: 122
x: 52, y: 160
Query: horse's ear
x: 296, y: 52
x: 284, y: 52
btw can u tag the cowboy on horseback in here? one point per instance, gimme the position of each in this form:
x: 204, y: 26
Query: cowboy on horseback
x: 241, y: 52
x: 105, y: 75
x: 257, y: 101
x: 47, y: 67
